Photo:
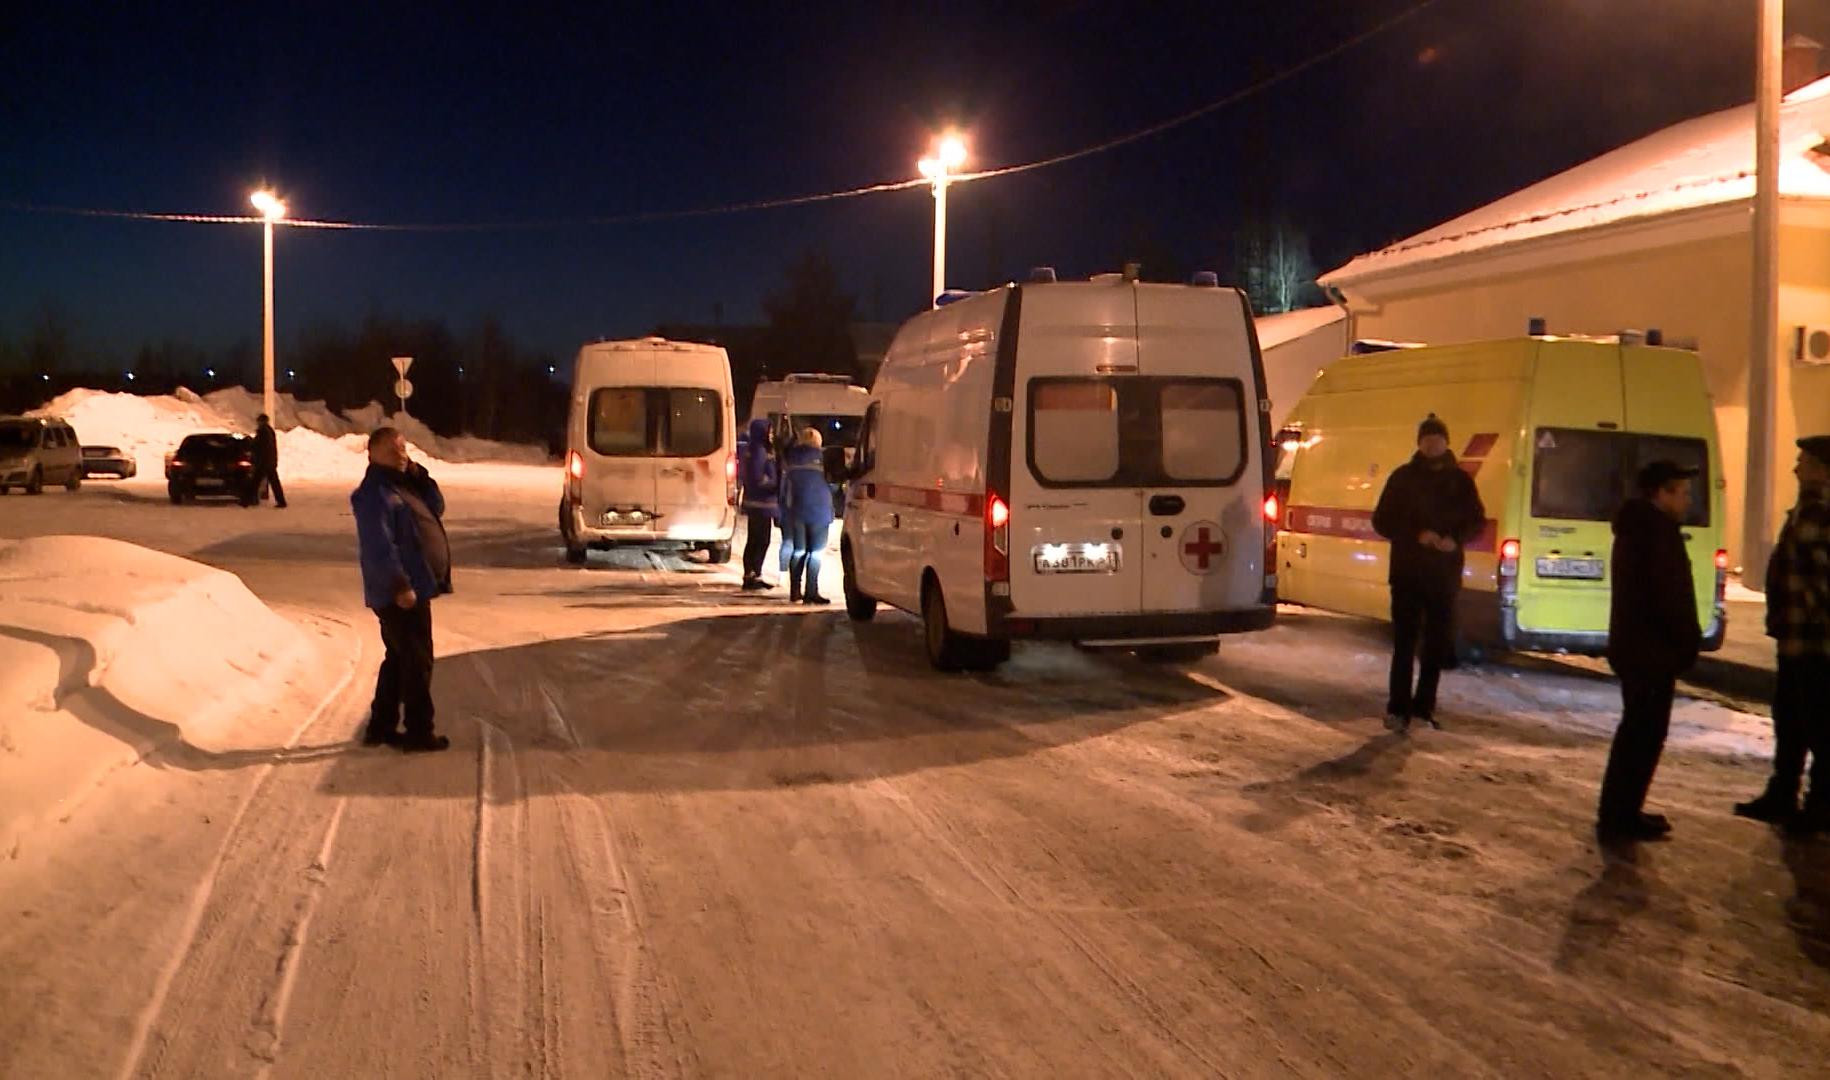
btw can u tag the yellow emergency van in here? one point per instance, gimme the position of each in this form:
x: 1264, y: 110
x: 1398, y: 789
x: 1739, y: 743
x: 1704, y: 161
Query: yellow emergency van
x: 1553, y: 430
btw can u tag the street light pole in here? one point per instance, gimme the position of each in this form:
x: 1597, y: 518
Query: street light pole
x: 1763, y: 351
x: 272, y: 210
x: 949, y: 155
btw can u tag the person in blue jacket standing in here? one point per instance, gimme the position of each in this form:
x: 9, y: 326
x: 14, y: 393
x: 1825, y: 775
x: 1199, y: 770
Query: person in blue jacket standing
x: 406, y: 561
x: 806, y: 516
x: 760, y: 483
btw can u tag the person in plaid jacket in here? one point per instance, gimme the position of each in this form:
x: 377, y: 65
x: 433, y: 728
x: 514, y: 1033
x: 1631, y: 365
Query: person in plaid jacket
x: 1798, y: 621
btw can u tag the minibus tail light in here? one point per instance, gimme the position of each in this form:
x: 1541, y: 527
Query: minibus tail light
x: 1508, y: 572
x: 1509, y: 553
x: 1721, y: 580
x: 1721, y: 559
x: 730, y: 481
x: 575, y: 476
x: 1270, y: 509
x: 997, y: 538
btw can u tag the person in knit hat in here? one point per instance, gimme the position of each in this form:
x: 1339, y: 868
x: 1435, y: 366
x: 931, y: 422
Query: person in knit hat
x: 1429, y: 511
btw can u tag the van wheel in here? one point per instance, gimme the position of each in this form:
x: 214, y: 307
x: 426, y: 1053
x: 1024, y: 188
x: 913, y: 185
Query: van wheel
x: 176, y: 493
x: 988, y: 653
x: 946, y: 649
x: 576, y: 555
x: 860, y: 607
x: 717, y: 554
x: 1191, y: 652
x: 35, y: 485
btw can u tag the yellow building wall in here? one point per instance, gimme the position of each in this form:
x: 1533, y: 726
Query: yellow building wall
x: 1697, y: 293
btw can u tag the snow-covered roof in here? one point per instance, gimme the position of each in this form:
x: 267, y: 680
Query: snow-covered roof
x: 1275, y: 330
x: 1702, y: 162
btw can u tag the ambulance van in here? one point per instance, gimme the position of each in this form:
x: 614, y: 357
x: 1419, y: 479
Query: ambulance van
x: 651, y: 453
x: 1083, y: 461
x: 1553, y: 430
x: 831, y: 403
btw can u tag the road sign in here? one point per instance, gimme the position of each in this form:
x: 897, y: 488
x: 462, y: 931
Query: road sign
x: 403, y: 389
x: 401, y: 364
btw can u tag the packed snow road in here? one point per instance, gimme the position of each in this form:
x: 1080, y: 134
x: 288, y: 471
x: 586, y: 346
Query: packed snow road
x: 686, y: 832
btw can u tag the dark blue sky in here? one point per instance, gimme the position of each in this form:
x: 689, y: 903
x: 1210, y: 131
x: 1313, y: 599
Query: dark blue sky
x: 402, y: 116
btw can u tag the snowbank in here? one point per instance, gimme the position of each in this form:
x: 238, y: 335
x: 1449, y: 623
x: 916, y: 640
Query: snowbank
x: 109, y: 651
x: 315, y: 442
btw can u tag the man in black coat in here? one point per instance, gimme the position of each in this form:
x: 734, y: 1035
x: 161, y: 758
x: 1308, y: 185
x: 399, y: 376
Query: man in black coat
x: 1653, y: 637
x: 1428, y: 510
x: 267, y: 460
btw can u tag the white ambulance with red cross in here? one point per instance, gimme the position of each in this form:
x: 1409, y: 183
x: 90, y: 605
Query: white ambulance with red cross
x: 1080, y: 461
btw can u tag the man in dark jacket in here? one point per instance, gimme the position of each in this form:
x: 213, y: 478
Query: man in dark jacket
x: 406, y: 561
x: 760, y: 482
x: 1798, y: 621
x: 267, y: 461
x: 1428, y: 510
x: 1653, y: 637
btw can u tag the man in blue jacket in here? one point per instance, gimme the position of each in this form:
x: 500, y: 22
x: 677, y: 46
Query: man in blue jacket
x: 406, y: 561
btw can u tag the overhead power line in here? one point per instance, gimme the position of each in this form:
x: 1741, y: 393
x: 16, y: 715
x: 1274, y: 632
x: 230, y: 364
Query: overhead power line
x: 1138, y: 135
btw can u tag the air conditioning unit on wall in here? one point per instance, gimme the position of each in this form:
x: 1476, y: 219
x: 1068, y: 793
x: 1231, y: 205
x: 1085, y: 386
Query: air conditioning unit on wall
x: 1811, y: 345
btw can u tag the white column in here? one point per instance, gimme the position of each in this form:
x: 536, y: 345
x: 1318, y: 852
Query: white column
x: 1763, y: 349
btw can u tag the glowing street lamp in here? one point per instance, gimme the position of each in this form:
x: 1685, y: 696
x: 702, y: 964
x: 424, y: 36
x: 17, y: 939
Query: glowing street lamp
x: 949, y: 156
x: 272, y: 210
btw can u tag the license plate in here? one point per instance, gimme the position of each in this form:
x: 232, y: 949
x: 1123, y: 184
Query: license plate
x: 1581, y: 569
x: 630, y: 519
x: 209, y: 481
x: 1076, y: 558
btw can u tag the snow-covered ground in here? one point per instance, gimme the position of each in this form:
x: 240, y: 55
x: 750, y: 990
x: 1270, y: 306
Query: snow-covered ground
x: 687, y: 831
x: 314, y: 441
x: 110, y: 652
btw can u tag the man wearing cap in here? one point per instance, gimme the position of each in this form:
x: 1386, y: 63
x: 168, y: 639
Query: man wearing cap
x: 1798, y: 621
x: 1653, y: 637
x: 1428, y: 510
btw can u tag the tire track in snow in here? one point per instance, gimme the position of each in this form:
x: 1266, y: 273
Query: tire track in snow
x: 1006, y: 891
x: 646, y: 1035
x: 271, y: 1024
x: 200, y: 899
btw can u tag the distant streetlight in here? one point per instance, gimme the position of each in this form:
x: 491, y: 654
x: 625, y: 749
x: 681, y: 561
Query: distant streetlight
x: 949, y: 155
x: 272, y: 210
x: 209, y: 373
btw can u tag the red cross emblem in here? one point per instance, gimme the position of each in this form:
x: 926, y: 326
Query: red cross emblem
x: 1202, y: 544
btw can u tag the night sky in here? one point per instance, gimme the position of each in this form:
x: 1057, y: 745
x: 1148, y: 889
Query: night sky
x: 408, y: 117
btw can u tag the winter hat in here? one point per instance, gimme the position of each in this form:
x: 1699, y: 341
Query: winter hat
x: 1818, y: 446
x: 1432, y: 426
x: 1657, y: 474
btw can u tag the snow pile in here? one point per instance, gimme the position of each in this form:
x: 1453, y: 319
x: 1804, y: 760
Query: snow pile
x: 316, y: 443
x: 109, y: 652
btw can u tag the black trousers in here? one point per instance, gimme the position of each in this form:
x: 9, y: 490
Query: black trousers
x: 756, y: 543
x: 1429, y: 613
x: 1645, y: 719
x: 405, y: 680
x: 269, y: 475
x: 1801, y: 725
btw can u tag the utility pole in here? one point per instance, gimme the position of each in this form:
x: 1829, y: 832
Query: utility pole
x: 1763, y: 351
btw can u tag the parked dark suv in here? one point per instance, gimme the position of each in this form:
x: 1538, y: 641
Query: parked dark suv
x: 216, y: 464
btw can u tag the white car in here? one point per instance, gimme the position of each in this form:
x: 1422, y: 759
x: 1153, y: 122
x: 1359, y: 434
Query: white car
x: 1085, y: 461
x: 35, y: 451
x: 652, y: 449
x: 108, y: 461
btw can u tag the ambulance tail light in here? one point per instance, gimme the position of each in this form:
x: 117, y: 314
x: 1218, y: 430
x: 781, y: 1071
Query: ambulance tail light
x: 1509, y: 571
x: 997, y: 538
x: 575, y: 475
x: 1272, y: 508
x: 730, y: 481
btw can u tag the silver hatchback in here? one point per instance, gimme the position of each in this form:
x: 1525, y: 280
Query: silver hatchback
x: 35, y: 451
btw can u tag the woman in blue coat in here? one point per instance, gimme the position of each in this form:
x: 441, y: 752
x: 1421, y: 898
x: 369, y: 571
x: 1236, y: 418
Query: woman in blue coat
x: 806, y: 516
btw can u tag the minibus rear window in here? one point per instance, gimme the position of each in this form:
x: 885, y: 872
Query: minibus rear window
x: 1074, y: 430
x: 634, y: 421
x: 1202, y: 422
x: 1137, y: 431
x: 1580, y: 475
